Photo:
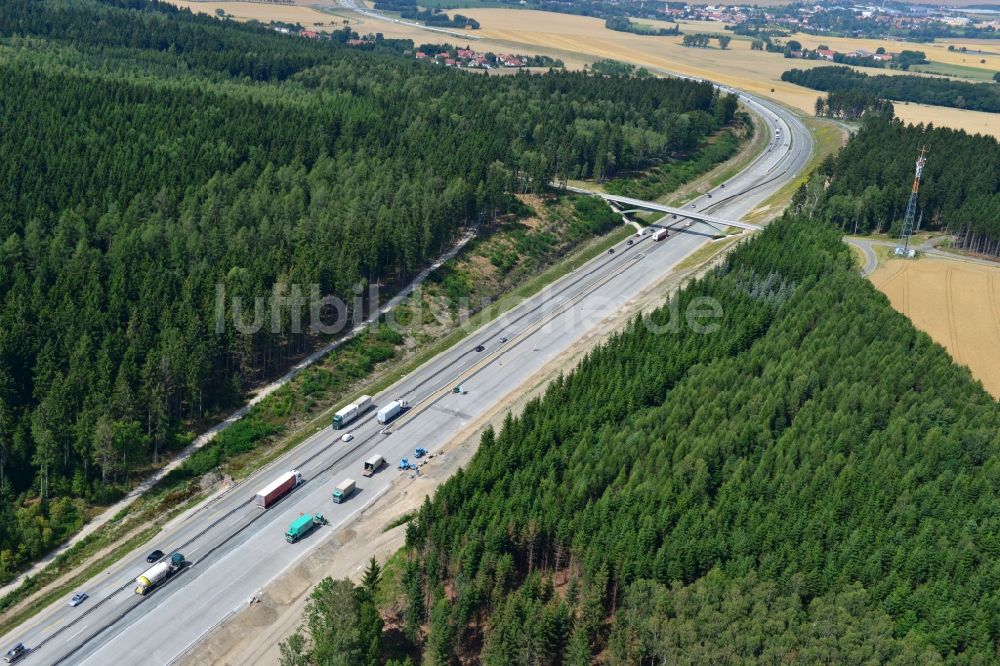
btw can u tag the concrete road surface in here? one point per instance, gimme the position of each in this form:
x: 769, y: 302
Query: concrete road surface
x: 235, y: 548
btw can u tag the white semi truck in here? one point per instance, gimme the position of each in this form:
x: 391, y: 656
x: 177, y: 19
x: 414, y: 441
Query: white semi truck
x: 391, y: 411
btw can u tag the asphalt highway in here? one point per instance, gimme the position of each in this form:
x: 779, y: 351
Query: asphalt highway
x: 235, y: 548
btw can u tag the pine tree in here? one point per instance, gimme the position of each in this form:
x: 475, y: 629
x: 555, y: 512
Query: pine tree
x: 371, y: 579
x: 441, y: 639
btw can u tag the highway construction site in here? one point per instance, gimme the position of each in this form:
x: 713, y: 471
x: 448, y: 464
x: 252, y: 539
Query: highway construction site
x: 514, y: 356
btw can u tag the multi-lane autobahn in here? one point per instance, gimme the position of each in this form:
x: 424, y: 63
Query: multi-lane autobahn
x: 235, y: 548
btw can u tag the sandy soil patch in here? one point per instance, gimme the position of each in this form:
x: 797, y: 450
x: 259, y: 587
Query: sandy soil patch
x: 537, y: 204
x: 956, y: 303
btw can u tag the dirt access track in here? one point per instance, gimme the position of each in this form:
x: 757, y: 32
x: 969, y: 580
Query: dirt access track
x: 955, y: 302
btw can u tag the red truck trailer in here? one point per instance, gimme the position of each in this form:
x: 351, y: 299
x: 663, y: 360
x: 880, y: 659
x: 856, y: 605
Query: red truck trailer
x: 277, y: 489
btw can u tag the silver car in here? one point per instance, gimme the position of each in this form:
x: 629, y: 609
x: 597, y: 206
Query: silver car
x: 78, y: 599
x: 15, y: 653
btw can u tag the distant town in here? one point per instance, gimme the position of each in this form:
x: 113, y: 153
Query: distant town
x: 886, y: 20
x: 442, y: 54
x: 458, y: 57
x: 838, y: 18
x: 846, y: 19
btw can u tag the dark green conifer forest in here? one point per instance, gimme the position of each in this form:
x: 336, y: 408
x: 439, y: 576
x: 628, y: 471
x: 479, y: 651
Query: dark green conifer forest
x: 865, y: 187
x: 151, y: 156
x: 809, y: 479
x: 938, y: 91
x: 815, y: 481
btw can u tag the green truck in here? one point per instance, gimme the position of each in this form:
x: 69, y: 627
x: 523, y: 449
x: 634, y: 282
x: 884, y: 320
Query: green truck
x: 302, y: 525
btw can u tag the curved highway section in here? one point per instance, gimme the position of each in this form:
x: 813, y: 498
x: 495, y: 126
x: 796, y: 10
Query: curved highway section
x: 235, y: 548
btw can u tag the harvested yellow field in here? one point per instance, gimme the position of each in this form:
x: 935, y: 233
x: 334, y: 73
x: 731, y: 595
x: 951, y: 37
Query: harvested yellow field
x: 738, y: 66
x: 755, y: 71
x: 328, y: 16
x: 972, y: 122
x: 956, y: 303
x: 265, y: 12
x: 579, y: 40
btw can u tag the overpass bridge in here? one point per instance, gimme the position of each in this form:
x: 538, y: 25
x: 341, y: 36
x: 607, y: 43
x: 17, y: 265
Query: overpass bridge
x: 717, y: 222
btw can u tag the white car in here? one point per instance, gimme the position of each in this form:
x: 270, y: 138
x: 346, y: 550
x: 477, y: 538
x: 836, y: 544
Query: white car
x: 346, y: 438
x: 78, y: 599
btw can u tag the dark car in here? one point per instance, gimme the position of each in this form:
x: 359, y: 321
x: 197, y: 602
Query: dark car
x: 709, y: 196
x: 155, y: 556
x: 480, y: 348
x: 15, y: 653
x: 611, y: 251
x: 630, y: 241
x: 723, y: 185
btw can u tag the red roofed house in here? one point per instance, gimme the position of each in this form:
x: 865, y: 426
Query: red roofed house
x: 825, y: 54
x: 309, y: 34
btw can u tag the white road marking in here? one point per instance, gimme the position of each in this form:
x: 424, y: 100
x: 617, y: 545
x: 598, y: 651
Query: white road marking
x: 82, y: 629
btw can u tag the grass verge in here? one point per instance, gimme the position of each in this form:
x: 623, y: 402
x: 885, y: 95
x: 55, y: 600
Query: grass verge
x: 705, y: 253
x: 400, y: 520
x: 506, y: 303
x: 723, y: 172
x: 828, y: 138
x: 859, y: 257
x: 93, y: 569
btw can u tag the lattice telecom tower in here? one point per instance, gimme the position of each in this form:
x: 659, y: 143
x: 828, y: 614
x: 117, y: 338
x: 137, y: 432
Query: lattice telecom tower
x: 911, y: 207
